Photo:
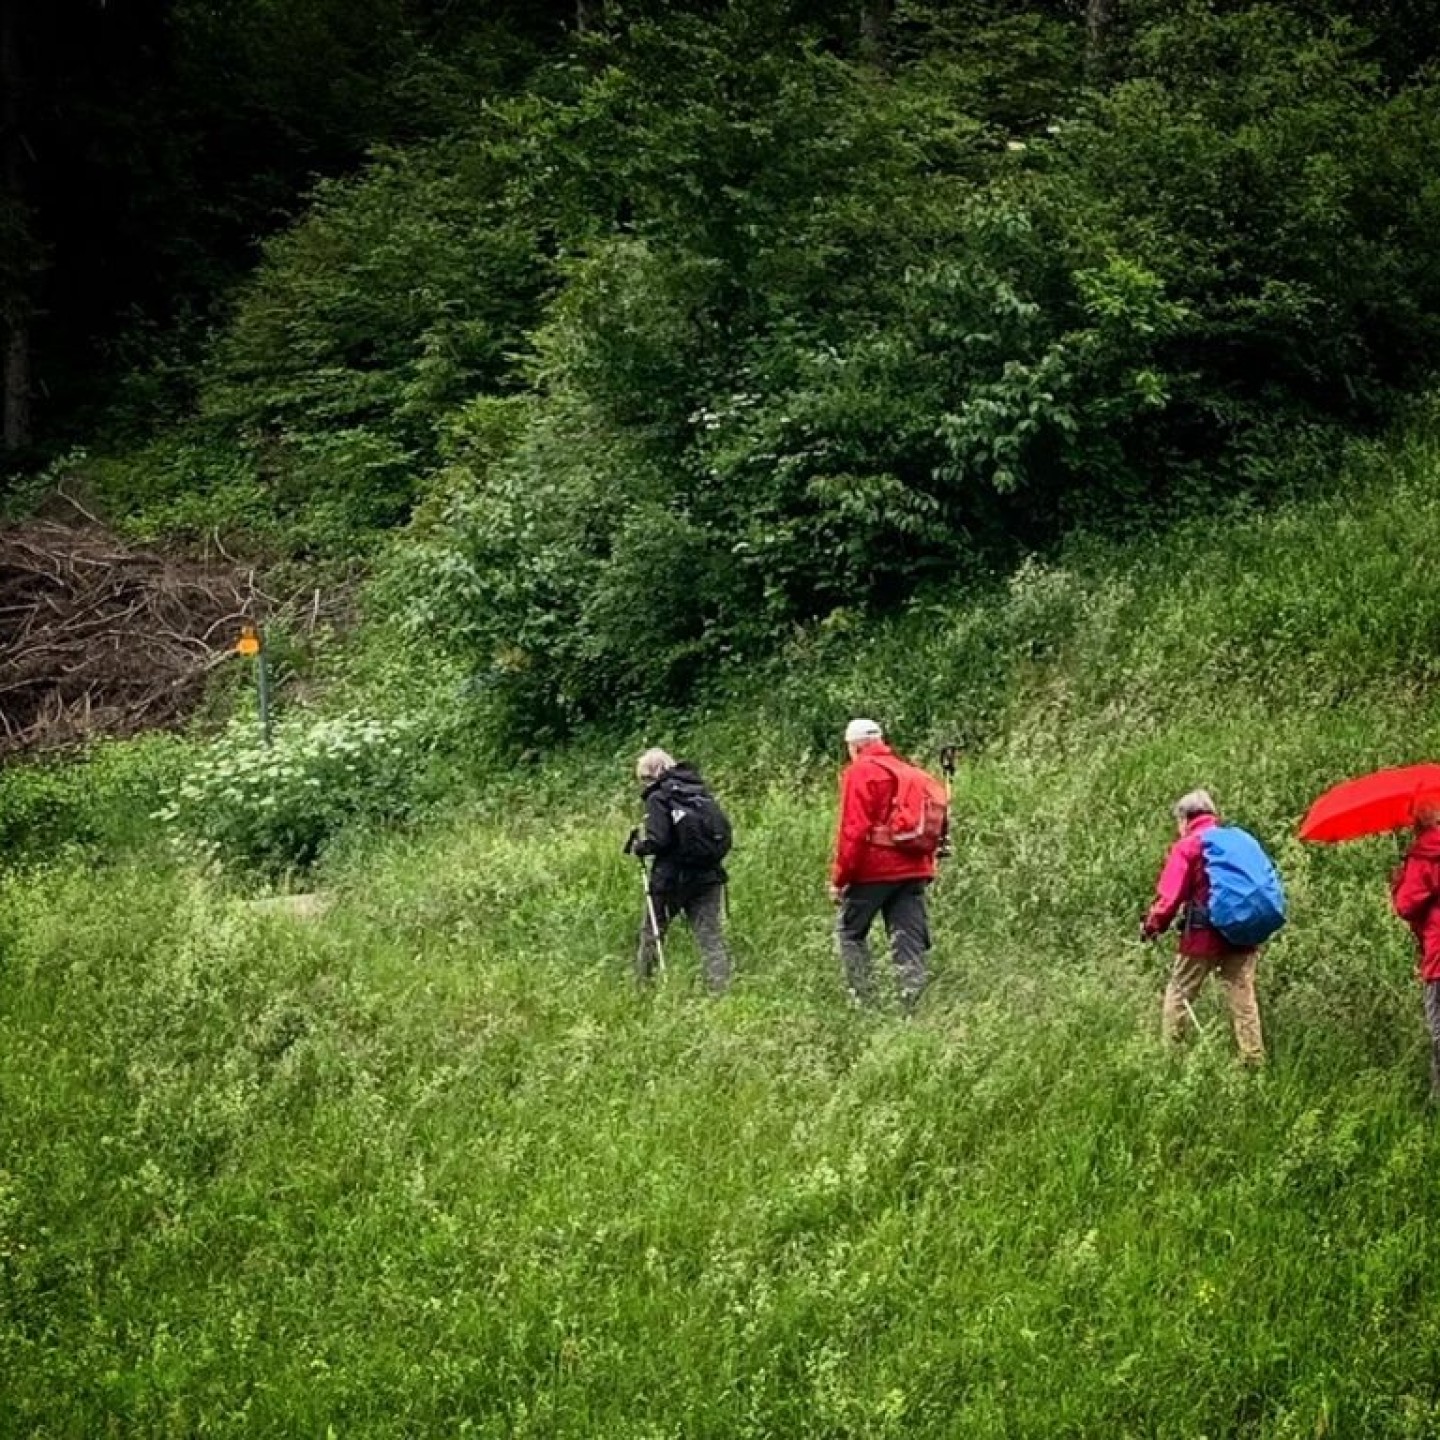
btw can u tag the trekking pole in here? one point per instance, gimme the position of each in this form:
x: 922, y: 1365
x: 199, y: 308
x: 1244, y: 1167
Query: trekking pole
x: 1195, y: 1021
x: 654, y: 917
x: 1146, y: 939
x: 949, y: 758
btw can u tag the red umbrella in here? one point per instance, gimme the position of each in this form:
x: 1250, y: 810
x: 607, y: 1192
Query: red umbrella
x: 1371, y: 804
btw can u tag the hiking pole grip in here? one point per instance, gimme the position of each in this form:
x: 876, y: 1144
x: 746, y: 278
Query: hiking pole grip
x: 949, y: 757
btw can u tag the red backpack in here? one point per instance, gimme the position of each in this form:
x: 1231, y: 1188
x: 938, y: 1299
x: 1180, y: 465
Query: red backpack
x: 919, y: 811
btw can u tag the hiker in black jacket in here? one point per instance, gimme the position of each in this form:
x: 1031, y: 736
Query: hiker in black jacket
x: 688, y: 836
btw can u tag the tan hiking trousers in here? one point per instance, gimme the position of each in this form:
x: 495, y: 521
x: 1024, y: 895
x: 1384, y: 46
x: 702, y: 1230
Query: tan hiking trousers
x: 1236, y: 974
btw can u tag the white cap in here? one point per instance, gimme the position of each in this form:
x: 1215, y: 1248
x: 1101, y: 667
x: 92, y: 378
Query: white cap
x: 861, y: 732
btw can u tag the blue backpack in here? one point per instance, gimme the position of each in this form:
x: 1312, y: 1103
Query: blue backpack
x: 1247, y: 900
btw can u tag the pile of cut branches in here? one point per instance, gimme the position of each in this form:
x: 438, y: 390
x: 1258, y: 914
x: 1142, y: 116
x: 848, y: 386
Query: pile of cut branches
x: 99, y: 638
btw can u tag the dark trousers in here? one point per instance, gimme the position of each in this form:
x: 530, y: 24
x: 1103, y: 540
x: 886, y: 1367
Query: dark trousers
x: 1432, y: 1019
x: 902, y: 904
x: 704, y: 910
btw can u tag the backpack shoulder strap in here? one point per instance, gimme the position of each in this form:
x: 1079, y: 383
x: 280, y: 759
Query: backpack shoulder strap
x: 892, y: 766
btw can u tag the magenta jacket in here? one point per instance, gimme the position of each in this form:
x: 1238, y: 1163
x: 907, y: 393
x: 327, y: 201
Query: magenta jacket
x: 1183, y: 882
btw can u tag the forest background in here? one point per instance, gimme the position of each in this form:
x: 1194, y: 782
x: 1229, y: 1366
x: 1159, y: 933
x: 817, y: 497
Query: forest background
x: 701, y: 323
x: 549, y: 380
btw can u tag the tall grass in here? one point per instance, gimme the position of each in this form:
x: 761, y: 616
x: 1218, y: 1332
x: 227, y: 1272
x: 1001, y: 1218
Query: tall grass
x: 431, y: 1167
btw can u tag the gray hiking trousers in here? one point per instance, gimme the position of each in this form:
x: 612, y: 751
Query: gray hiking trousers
x: 703, y: 909
x: 1432, y: 1020
x: 902, y: 904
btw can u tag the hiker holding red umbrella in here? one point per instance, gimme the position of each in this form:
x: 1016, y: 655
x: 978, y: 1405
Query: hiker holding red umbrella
x: 1388, y: 800
x: 1414, y: 891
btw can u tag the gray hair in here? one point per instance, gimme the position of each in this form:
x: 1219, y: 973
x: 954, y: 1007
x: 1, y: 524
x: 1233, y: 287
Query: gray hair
x: 653, y: 763
x: 1195, y: 802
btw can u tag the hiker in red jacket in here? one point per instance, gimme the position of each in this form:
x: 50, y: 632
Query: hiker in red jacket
x: 1414, y: 891
x: 869, y: 877
x: 1184, y: 890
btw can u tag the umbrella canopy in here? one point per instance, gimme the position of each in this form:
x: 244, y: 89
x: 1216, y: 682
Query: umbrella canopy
x: 1371, y: 804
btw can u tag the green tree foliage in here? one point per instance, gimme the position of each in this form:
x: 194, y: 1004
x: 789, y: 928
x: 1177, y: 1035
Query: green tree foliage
x: 1261, y: 169
x: 399, y: 299
x: 728, y: 321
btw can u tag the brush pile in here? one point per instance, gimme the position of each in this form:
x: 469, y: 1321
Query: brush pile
x: 100, y: 638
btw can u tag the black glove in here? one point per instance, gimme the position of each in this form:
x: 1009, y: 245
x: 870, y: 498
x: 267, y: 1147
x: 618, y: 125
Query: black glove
x: 631, y: 841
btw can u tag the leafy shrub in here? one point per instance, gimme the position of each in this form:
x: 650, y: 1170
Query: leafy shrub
x: 275, y: 808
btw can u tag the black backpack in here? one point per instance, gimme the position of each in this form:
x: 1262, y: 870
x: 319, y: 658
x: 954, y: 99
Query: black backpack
x: 700, y: 827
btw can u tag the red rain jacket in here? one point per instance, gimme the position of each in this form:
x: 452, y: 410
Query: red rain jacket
x: 867, y: 790
x: 1183, y: 882
x: 1414, y: 893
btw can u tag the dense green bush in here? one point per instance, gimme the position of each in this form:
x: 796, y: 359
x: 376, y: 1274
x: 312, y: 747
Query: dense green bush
x: 1119, y: 639
x: 1256, y: 162
x: 266, y: 809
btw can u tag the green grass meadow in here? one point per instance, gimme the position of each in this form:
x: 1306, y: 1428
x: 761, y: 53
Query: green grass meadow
x: 430, y: 1166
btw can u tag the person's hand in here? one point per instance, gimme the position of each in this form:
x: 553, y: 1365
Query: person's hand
x: 631, y: 841
x: 1147, y: 932
x: 837, y: 893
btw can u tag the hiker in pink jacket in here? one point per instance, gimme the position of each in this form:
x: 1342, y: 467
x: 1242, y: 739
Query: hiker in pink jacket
x: 1183, y: 891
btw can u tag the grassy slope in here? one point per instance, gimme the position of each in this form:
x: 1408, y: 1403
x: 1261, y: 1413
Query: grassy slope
x: 430, y: 1167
